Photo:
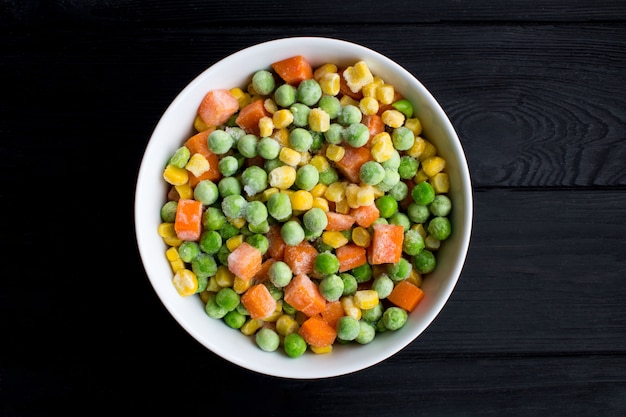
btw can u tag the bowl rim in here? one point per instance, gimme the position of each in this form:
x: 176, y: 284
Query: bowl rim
x: 367, y: 355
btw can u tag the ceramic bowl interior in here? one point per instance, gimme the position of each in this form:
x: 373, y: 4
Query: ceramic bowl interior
x: 175, y: 126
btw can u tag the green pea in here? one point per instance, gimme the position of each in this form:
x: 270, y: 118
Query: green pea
x: 262, y: 227
x: 254, y: 180
x: 227, y: 298
x: 222, y: 254
x: 424, y: 262
x: 400, y: 270
x: 220, y: 142
x: 188, y: 250
x: 418, y: 213
x: 367, y: 332
x: 180, y: 157
x: 394, y: 318
x: 318, y: 140
x: 233, y: 206
x: 393, y: 163
x: 279, y: 206
x: 327, y: 263
x: 334, y: 134
x: 307, y: 177
x: 329, y: 176
x: 372, y: 173
x: 300, y: 113
x: 255, y: 212
x: 210, y: 242
x: 373, y: 314
x: 234, y: 319
x: 403, y: 138
x: 168, y: 211
x: 408, y: 167
x: 259, y: 241
x: 362, y: 273
x: 348, y: 328
x: 349, y: 283
x: 270, y: 164
x: 229, y: 186
x: 267, y: 339
x: 247, y: 145
x: 331, y: 287
x: 300, y: 139
x: 285, y: 95
x: 228, y: 230
x: 308, y: 92
x: 423, y: 193
x: 213, y: 218
x: 228, y: 166
x: 263, y: 82
x: 390, y: 179
x: 441, y: 205
x: 383, y: 285
x: 439, y: 227
x: 404, y: 106
x: 315, y: 220
x: 349, y: 114
x: 213, y: 309
x: 280, y: 274
x: 387, y: 205
x: 292, y: 232
x: 204, y: 265
x: 203, y: 283
x: 413, y: 242
x: 356, y: 135
x: 235, y: 132
x: 268, y: 148
x: 331, y: 105
x: 400, y: 219
x: 399, y: 191
x: 294, y: 345
x: 206, y: 192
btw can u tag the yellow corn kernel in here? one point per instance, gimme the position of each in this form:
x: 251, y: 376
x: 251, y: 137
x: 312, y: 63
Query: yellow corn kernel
x: 377, y: 191
x: 241, y: 285
x: 440, y: 183
x: 319, y: 120
x: 393, y: 118
x: 385, y: 93
x: 205, y: 295
x: 184, y: 191
x: 366, y: 299
x: 268, y: 192
x: 431, y: 243
x: 289, y: 156
x: 330, y: 83
x: 357, y: 76
x: 185, y: 282
x: 266, y: 126
x: 282, y: 118
x: 270, y: 105
x: 415, y: 278
x: 382, y: 150
x: 281, y: 136
x: 320, y: 202
x: 282, y: 177
x: 361, y: 237
x: 335, y: 152
x: 305, y: 157
x: 199, y: 124
x: 242, y: 97
x: 239, y: 222
x: 352, y: 195
x: 172, y: 241
x: 223, y: 277
x: 321, y: 350
x: 251, y: 326
x: 301, y: 200
x: 369, y: 105
x: 174, y: 175
x: 366, y: 195
x: 197, y: 164
x: 233, y: 243
x: 324, y: 69
x: 414, y: 124
x: 177, y: 265
x: 172, y: 254
x: 369, y: 90
x: 166, y: 229
x: 418, y: 147
x: 419, y: 228
x: 336, y: 191
x: 318, y: 190
x: 250, y: 89
x: 349, y: 307
x: 334, y: 239
x: 420, y: 176
x: 342, y: 206
x: 429, y: 150
x: 278, y: 311
x: 346, y: 99
x: 286, y: 324
x: 212, y: 285
x: 433, y: 165
x: 320, y: 162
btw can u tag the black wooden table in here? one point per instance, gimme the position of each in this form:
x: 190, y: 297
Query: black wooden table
x: 537, y: 323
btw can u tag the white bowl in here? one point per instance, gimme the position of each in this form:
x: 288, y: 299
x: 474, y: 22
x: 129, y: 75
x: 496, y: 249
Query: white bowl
x: 175, y: 126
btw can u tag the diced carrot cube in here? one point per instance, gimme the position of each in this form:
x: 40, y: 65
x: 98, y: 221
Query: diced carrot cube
x: 304, y: 295
x: 386, y: 244
x: 245, y: 261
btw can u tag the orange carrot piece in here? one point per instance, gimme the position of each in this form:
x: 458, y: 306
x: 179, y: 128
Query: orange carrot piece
x: 198, y: 143
x: 276, y: 248
x: 258, y: 301
x: 374, y: 124
x: 304, y: 295
x: 365, y: 215
x: 316, y: 332
x: 245, y: 261
x: 217, y: 107
x: 294, y: 69
x: 188, y: 220
x: 263, y: 272
x: 406, y: 295
x: 300, y: 257
x: 350, y: 164
x: 386, y: 244
x: 338, y: 221
x: 350, y: 256
x: 333, y: 312
x: 248, y: 117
